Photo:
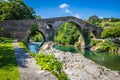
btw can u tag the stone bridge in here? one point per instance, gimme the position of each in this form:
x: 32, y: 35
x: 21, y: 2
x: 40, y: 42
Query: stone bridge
x: 20, y: 29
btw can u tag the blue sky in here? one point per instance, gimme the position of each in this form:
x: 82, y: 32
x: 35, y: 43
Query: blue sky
x: 78, y: 8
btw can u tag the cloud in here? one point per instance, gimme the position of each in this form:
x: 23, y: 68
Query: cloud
x: 68, y: 11
x: 101, y: 17
x: 64, y: 5
x: 77, y: 15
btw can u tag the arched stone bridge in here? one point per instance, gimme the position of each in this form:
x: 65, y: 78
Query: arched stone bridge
x: 20, y: 29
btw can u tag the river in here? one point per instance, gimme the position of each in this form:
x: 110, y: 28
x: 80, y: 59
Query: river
x: 34, y: 46
x: 109, y: 60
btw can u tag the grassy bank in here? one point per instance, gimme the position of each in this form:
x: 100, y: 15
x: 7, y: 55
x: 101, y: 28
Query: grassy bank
x: 23, y: 46
x: 8, y: 65
x: 48, y: 62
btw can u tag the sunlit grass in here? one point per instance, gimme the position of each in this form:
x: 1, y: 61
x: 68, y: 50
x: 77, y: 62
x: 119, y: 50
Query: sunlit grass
x: 8, y: 64
x: 22, y: 45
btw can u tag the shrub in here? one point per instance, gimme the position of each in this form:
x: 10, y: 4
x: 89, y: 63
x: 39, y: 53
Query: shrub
x: 105, y: 45
x: 111, y: 32
x: 50, y: 63
x: 34, y: 28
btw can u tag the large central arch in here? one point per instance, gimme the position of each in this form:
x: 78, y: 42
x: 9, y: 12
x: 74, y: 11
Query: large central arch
x: 79, y: 27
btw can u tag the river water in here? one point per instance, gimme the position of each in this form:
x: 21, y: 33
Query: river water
x: 34, y: 46
x: 109, y: 60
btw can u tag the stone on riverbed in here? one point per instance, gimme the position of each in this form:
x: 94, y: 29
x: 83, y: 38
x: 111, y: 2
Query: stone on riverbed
x: 77, y: 67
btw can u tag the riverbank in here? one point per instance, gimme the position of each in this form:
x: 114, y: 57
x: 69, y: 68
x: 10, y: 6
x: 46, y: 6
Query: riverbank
x: 77, y: 67
x: 28, y: 68
x: 105, y: 45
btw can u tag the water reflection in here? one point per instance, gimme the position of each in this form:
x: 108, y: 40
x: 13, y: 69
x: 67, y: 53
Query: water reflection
x: 109, y: 60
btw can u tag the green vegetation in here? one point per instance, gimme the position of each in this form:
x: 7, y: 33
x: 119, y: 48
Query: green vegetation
x: 8, y: 65
x: 67, y: 48
x: 112, y: 32
x: 104, y: 22
x: 15, y: 10
x: 3, y: 40
x: 104, y: 45
x: 50, y: 63
x: 22, y: 45
x: 35, y: 36
x: 67, y: 34
x: 34, y: 28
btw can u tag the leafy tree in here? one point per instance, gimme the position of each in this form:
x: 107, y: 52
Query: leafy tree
x: 36, y: 37
x: 67, y: 34
x: 34, y: 28
x: 15, y: 10
x: 93, y: 19
x: 37, y: 17
x: 111, y: 32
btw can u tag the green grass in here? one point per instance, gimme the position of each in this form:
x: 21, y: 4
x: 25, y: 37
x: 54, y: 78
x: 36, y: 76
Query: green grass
x: 23, y: 46
x: 8, y: 65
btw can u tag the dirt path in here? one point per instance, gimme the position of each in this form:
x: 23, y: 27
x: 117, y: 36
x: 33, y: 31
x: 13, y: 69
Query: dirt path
x: 28, y: 68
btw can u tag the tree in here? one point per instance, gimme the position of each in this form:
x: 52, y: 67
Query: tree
x: 111, y: 32
x: 15, y: 10
x: 93, y: 19
x: 67, y: 34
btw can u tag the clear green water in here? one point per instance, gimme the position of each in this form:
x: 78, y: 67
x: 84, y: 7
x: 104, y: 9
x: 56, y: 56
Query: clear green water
x: 109, y: 60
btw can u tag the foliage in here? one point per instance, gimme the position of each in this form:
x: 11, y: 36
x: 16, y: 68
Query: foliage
x: 95, y: 42
x: 36, y: 37
x: 111, y: 32
x: 3, y: 40
x: 103, y: 22
x: 34, y: 28
x: 104, y: 45
x: 49, y: 62
x: 32, y: 54
x: 8, y: 64
x: 23, y: 46
x: 93, y: 19
x: 67, y: 34
x: 15, y: 10
x: 86, y: 36
x: 37, y: 17
x: 66, y: 48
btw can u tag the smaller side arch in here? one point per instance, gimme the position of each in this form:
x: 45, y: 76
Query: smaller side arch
x: 44, y: 38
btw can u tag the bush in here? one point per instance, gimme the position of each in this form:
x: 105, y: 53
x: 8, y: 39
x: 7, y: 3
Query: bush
x: 34, y: 28
x: 111, y: 32
x: 67, y: 34
x: 50, y: 63
x: 94, y: 42
x: 104, y: 45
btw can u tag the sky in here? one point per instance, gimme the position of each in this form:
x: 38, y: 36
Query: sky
x: 79, y: 8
